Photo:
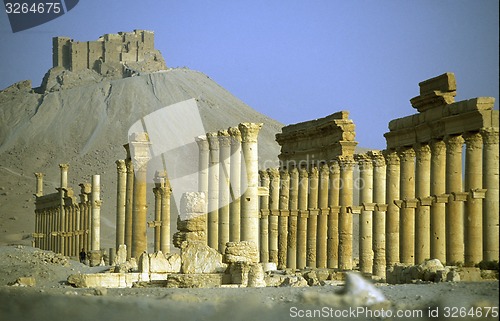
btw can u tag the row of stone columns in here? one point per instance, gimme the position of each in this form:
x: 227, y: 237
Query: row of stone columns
x: 228, y: 175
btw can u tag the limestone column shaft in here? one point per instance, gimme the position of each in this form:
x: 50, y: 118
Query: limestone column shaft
x: 264, y: 219
x: 166, y: 192
x: 312, y: 220
x: 333, y: 217
x: 96, y: 213
x: 379, y: 198
x: 213, y: 191
x: 302, y: 218
x: 322, y: 229
x: 140, y: 153
x: 235, y: 185
x: 78, y: 229
x: 392, y: 216
x: 224, y: 193
x: 157, y: 232
x: 203, y: 159
x: 491, y: 202
x: 422, y: 192
x: 129, y: 206
x: 62, y: 222
x: 438, y: 210
x: 366, y: 219
x: 121, y: 193
x: 345, y: 218
x: 274, y: 199
x: 284, y: 231
x: 407, y: 213
x: 291, y: 203
x: 473, y: 207
x: 250, y: 200
x: 39, y: 184
x: 455, y: 207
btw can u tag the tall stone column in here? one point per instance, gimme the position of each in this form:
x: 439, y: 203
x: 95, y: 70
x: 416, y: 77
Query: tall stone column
x: 166, y: 193
x: 140, y: 152
x: 78, y: 229
x: 422, y: 192
x: 213, y: 191
x: 407, y: 212
x: 203, y: 159
x: 438, y: 189
x: 274, y: 200
x: 392, y: 216
x: 312, y: 220
x: 491, y: 202
x: 121, y: 193
x: 455, y: 208
x: 345, y: 218
x: 333, y: 217
x: 62, y: 215
x: 264, y: 218
x: 302, y: 218
x: 283, y: 231
x: 129, y: 203
x: 157, y: 220
x: 250, y: 200
x: 224, y: 195
x: 321, y: 245
x: 474, y: 205
x: 379, y: 198
x: 39, y: 184
x: 235, y: 185
x: 291, y: 203
x: 366, y: 218
x: 96, y: 213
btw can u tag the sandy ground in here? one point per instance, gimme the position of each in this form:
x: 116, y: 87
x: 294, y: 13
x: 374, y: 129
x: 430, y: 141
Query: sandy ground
x: 53, y: 299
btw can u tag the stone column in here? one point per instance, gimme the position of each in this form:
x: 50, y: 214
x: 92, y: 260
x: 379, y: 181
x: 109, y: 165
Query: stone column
x: 157, y: 220
x: 274, y: 199
x: 203, y: 160
x: 392, y: 216
x: 422, y: 192
x: 407, y: 212
x: 284, y: 231
x: 365, y: 187
x: 473, y: 207
x: 78, y: 229
x: 39, y: 184
x: 129, y: 204
x: 438, y: 189
x: 379, y: 198
x: 140, y: 152
x: 166, y: 193
x: 96, y: 213
x: 345, y: 218
x: 213, y: 191
x: 264, y: 218
x: 62, y: 222
x: 235, y: 185
x: 292, y: 201
x: 312, y: 220
x: 121, y: 191
x: 250, y: 200
x: 455, y: 208
x: 321, y: 245
x: 333, y: 217
x: 302, y: 218
x: 491, y: 202
x: 224, y: 195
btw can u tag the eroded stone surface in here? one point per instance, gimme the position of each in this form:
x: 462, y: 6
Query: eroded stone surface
x: 197, y: 257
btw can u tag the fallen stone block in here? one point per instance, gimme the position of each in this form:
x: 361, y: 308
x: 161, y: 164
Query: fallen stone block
x: 105, y: 280
x: 243, y: 251
x: 256, y: 276
x: 160, y: 263
x: 25, y: 281
x: 205, y: 280
x: 197, y: 257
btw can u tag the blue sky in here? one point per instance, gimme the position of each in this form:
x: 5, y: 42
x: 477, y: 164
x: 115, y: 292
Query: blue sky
x: 294, y: 60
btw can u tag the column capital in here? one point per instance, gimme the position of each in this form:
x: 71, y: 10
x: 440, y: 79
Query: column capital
x: 473, y: 140
x: 85, y: 188
x: 129, y: 165
x: 202, y: 142
x: 313, y: 172
x: 334, y: 167
x: 224, y: 138
x: 263, y: 174
x: 157, y: 192
x: 39, y: 175
x: 364, y: 161
x: 377, y: 158
x: 120, y: 166
x: 454, y: 142
x: 303, y: 173
x: 422, y: 151
x: 235, y: 133
x: 273, y: 173
x: 285, y: 174
x: 249, y: 131
x: 213, y: 141
x: 391, y: 157
x: 324, y: 170
x: 140, y: 149
x: 406, y: 153
x: 490, y: 135
x: 438, y: 146
x: 346, y: 162
x: 64, y: 166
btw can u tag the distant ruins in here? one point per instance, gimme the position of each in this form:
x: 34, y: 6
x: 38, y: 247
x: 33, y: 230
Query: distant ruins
x: 416, y: 200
